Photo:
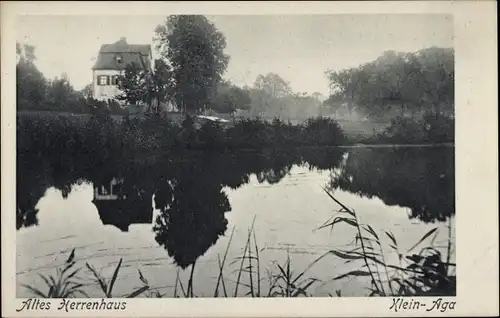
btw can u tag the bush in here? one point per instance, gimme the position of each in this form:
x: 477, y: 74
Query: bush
x: 429, y: 129
x: 249, y: 133
x: 256, y: 133
x: 76, y: 105
x: 100, y: 137
x: 323, y: 131
x: 439, y: 128
x: 211, y: 135
x: 405, y: 130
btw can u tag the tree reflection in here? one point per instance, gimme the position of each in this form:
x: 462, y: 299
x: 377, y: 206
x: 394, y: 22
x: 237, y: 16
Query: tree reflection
x: 188, y: 187
x: 422, y: 179
x: 192, y: 206
x: 192, y: 222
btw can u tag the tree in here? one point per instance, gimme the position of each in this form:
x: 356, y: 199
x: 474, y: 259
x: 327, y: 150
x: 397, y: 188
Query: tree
x: 150, y: 88
x: 262, y: 102
x: 270, y: 96
x: 195, y: 50
x: 229, y: 98
x: 88, y: 91
x: 31, y: 85
x: 334, y: 102
x: 317, y: 95
x: 415, y: 82
x: 163, y: 81
x: 346, y: 83
x: 437, y: 78
x: 25, y: 52
x: 133, y: 84
x: 273, y: 84
x: 61, y: 94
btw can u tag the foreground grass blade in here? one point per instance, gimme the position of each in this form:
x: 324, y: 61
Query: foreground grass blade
x: 258, y: 263
x: 113, y: 279
x: 98, y: 278
x: 347, y: 210
x: 138, y: 292
x: 243, y: 260
x: 423, y: 239
x: 221, y: 266
x: 36, y: 291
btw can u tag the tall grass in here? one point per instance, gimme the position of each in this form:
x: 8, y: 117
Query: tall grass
x: 426, y: 273
x: 64, y: 285
x: 285, y: 283
x: 106, y: 285
x: 248, y: 269
x: 220, y: 277
x: 283, y: 280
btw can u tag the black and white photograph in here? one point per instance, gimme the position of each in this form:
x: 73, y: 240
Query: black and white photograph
x: 235, y: 156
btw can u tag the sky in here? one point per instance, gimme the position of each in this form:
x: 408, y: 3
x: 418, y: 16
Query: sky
x: 299, y: 48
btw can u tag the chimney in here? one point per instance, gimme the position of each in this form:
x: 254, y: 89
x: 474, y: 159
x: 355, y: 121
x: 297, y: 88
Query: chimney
x: 123, y: 40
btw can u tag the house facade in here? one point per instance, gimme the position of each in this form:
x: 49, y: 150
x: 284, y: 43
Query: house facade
x: 111, y: 63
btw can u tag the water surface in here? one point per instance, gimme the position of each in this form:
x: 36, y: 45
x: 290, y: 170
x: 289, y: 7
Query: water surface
x: 161, y: 215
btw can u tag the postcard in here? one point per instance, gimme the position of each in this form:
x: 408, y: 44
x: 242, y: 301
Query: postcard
x: 249, y: 159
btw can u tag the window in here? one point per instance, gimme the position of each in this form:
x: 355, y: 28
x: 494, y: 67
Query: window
x: 102, y: 80
x: 103, y: 191
x: 114, y: 80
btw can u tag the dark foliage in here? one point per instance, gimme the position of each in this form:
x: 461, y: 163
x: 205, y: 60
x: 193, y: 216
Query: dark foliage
x: 422, y: 179
x: 428, y: 130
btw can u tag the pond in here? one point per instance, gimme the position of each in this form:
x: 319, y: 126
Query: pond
x: 162, y: 215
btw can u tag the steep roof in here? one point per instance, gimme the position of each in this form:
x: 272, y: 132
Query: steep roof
x: 109, y: 61
x: 121, y: 46
x: 109, y: 54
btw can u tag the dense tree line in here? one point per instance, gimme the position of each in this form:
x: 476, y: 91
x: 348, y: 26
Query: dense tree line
x: 189, y: 72
x: 190, y: 69
x: 397, y: 84
x: 35, y: 92
x: 33, y: 89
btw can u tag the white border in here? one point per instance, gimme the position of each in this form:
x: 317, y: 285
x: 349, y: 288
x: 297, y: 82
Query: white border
x: 476, y: 159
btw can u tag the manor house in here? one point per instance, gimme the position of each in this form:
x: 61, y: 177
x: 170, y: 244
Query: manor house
x: 111, y: 63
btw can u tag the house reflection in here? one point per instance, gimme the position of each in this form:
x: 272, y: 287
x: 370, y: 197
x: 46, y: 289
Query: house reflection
x: 119, y: 206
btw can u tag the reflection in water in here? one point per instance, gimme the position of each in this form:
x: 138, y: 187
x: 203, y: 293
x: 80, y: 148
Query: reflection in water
x: 422, y: 179
x: 192, y: 206
x: 188, y: 188
x: 122, y: 208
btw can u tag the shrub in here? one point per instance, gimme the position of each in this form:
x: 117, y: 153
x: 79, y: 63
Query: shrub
x: 429, y: 129
x: 211, y: 135
x: 439, y: 129
x: 249, y: 133
x: 100, y: 137
x: 323, y: 131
